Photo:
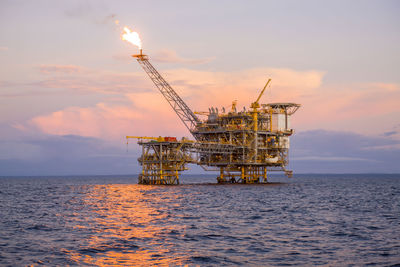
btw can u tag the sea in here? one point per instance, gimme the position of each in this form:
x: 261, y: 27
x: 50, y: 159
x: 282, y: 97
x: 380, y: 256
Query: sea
x: 308, y: 220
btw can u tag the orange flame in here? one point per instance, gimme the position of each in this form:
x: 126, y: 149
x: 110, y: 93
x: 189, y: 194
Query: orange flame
x: 131, y: 37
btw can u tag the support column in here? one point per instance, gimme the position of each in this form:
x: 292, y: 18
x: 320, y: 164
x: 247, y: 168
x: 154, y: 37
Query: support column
x: 265, y: 174
x: 161, y: 166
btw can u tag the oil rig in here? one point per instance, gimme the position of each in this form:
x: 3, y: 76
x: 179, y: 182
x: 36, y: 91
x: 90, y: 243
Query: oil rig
x: 241, y: 145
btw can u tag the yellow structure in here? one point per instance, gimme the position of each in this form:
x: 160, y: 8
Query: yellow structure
x: 241, y: 145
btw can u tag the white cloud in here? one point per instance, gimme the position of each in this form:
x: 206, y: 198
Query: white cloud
x: 393, y: 147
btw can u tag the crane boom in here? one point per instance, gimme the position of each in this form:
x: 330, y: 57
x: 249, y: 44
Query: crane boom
x: 255, y: 105
x: 262, y: 92
x: 182, y: 110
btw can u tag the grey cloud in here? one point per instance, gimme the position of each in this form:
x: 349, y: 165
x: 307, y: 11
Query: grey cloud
x: 311, y: 152
x: 339, y: 152
x: 390, y: 133
x: 67, y: 155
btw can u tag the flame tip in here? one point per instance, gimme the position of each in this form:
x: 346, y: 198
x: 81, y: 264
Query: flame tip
x: 131, y: 37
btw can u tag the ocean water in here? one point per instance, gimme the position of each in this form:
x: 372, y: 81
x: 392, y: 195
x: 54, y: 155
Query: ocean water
x: 333, y: 220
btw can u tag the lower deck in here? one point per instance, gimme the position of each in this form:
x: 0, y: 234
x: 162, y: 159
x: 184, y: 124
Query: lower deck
x: 163, y: 162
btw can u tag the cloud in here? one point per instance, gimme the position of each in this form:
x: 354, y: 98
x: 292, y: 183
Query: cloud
x: 84, y: 80
x: 170, y: 56
x: 383, y: 147
x: 53, y: 68
x: 103, y: 121
x: 3, y: 48
x: 25, y: 89
x: 212, y: 88
x: 66, y: 155
x: 146, y: 112
x: 67, y: 79
x: 340, y: 106
x: 311, y: 152
x: 329, y: 107
x: 340, y: 152
x: 390, y: 133
x: 361, y: 107
x: 17, y: 150
x: 394, y: 132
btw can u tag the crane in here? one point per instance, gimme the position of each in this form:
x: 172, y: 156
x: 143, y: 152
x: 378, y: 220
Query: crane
x: 182, y: 110
x: 255, y: 105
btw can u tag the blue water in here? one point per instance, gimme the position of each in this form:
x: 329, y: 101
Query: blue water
x: 334, y: 220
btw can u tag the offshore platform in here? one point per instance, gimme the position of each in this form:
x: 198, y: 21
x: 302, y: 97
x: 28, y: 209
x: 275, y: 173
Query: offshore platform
x: 241, y: 145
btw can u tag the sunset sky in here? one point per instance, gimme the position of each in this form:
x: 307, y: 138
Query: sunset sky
x: 70, y: 92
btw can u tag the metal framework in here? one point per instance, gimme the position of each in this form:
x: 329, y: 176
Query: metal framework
x: 242, y: 145
x: 162, y: 161
x: 182, y: 110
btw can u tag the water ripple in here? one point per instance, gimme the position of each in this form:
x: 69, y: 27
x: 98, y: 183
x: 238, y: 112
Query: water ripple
x: 313, y: 220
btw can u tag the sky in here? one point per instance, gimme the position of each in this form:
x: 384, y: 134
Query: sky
x: 70, y: 91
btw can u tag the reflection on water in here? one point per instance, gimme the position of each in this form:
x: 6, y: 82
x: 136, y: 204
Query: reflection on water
x: 125, y: 225
x: 336, y: 221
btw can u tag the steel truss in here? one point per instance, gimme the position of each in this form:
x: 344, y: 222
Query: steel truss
x: 182, y: 110
x: 243, y: 146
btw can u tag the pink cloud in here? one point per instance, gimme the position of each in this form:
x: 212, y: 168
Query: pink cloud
x: 359, y: 107
x: 53, y: 68
x: 102, y: 120
x: 148, y: 113
x: 145, y: 112
x: 203, y: 89
x: 145, y: 115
